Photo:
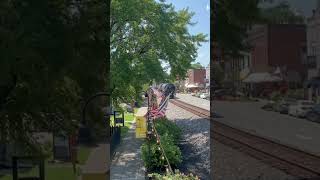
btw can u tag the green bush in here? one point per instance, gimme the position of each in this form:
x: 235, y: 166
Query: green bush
x: 276, y: 96
x: 175, y: 176
x: 154, y: 160
x: 295, y: 93
x: 169, y: 135
x: 163, y: 126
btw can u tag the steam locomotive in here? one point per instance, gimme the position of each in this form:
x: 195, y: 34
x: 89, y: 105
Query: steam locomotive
x: 167, y: 88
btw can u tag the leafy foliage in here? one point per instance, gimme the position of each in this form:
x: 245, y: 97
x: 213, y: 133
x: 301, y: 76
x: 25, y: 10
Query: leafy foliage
x: 53, y: 56
x: 196, y: 66
x: 153, y: 160
x: 145, y: 35
x: 232, y: 18
x: 169, y: 135
x: 281, y: 14
x: 218, y: 74
x: 276, y: 96
x: 164, y: 126
x: 174, y: 176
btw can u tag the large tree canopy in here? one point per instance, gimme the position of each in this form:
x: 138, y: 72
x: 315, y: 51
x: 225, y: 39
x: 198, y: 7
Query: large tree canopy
x: 146, y: 34
x: 281, y: 14
x: 231, y: 20
x: 53, y: 54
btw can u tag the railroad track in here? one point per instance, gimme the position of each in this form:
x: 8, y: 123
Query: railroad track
x: 293, y: 161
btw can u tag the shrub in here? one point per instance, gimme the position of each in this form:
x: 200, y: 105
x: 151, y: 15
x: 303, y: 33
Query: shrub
x: 154, y: 160
x: 276, y: 96
x: 169, y: 134
x: 163, y: 126
x: 295, y: 93
x: 174, y: 176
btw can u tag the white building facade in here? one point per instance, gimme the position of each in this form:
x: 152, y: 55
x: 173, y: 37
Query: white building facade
x: 208, y: 76
x: 313, y: 43
x: 313, y: 53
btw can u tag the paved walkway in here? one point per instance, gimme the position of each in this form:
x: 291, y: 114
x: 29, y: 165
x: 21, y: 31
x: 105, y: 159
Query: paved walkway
x: 127, y: 163
x: 96, y: 166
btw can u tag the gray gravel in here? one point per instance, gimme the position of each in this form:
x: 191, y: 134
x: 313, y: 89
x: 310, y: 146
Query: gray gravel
x: 195, y: 145
x: 233, y: 165
x: 203, y: 103
x: 228, y: 164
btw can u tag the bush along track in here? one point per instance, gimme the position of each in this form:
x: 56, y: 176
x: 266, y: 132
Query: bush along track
x: 163, y: 148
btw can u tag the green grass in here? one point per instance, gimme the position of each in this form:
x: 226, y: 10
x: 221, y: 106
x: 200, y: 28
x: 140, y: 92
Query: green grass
x: 56, y: 171
x: 53, y: 172
x: 128, y: 119
x: 83, y: 154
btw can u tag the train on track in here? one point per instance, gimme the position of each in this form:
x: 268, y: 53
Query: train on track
x: 167, y: 89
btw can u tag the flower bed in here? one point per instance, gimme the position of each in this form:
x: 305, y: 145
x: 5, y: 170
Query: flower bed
x: 175, y: 176
x: 169, y: 134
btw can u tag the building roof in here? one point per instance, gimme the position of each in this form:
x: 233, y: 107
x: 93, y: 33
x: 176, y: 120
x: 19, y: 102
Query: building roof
x: 261, y: 77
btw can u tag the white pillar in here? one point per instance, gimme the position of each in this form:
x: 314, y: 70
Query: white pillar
x: 310, y: 93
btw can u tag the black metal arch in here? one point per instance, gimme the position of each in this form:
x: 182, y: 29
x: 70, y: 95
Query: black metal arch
x: 89, y: 100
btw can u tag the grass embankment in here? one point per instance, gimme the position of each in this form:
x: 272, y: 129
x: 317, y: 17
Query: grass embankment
x: 58, y: 171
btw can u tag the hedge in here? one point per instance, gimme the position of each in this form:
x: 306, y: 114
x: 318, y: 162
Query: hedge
x: 169, y: 134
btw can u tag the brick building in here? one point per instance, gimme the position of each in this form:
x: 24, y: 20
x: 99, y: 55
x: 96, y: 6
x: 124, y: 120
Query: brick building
x: 278, y: 46
x: 196, y: 77
x: 281, y: 46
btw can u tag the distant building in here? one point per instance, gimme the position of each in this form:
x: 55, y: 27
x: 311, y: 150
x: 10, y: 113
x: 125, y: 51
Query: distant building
x: 237, y: 69
x: 208, y: 75
x: 196, y: 78
x: 313, y: 43
x: 313, y: 53
x: 279, y: 47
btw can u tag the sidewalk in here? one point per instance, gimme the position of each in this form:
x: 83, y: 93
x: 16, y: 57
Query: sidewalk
x: 127, y: 163
x: 96, y: 166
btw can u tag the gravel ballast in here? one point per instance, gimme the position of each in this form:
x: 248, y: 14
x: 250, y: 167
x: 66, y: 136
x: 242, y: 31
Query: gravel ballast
x: 195, y: 145
x: 228, y: 163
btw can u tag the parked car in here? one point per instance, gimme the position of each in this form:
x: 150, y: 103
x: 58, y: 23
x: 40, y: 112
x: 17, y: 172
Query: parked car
x: 204, y: 95
x: 300, y: 108
x: 283, y: 105
x: 314, y: 114
x: 219, y: 93
x: 270, y: 106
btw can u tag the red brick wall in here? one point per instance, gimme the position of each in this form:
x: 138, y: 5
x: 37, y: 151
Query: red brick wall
x: 197, y: 76
x: 277, y: 45
x: 285, y: 46
x: 258, y: 39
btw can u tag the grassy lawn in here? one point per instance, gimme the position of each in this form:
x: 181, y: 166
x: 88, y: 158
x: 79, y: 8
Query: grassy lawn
x: 53, y: 172
x: 83, y: 154
x: 128, y: 119
x: 56, y: 171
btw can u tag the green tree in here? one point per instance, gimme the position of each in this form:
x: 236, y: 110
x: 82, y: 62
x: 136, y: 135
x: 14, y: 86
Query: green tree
x: 218, y: 74
x: 51, y: 60
x: 196, y: 66
x: 281, y: 14
x: 231, y: 21
x: 146, y: 34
